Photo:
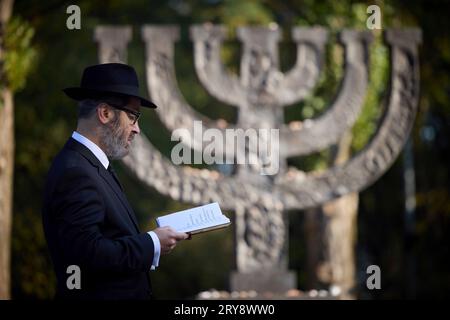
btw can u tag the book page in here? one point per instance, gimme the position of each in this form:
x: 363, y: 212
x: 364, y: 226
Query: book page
x: 195, y: 219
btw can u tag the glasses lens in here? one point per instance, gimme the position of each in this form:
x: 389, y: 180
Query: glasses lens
x: 132, y: 115
x: 134, y: 118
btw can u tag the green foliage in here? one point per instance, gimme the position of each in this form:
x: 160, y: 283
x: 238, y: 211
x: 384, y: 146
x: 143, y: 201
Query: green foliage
x: 32, y: 275
x: 238, y: 13
x: 365, y: 125
x: 20, y: 55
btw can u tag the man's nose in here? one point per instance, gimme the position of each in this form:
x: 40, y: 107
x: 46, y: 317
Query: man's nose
x: 136, y: 128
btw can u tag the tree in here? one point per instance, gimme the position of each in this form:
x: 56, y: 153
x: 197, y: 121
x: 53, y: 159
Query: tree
x: 16, y: 57
x: 6, y: 157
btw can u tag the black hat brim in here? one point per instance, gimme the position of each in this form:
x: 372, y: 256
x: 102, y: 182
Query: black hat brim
x: 79, y: 94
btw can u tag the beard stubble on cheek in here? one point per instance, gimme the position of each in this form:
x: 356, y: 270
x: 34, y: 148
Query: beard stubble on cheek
x: 115, y: 140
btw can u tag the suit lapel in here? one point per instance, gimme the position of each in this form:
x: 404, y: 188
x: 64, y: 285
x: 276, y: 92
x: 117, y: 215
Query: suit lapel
x: 115, y: 187
x: 107, y: 177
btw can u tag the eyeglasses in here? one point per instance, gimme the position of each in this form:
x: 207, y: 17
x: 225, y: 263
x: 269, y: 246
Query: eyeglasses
x: 132, y: 115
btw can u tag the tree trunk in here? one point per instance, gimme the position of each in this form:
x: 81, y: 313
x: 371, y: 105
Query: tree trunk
x: 6, y: 159
x: 330, y: 237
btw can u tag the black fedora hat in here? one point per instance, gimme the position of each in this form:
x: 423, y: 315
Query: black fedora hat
x: 108, y: 78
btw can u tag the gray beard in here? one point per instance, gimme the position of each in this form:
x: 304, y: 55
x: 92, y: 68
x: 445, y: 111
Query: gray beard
x: 114, y: 141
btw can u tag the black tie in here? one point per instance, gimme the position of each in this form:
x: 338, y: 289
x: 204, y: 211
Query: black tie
x: 113, y: 173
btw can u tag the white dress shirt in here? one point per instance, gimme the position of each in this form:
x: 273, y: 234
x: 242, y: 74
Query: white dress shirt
x: 101, y: 156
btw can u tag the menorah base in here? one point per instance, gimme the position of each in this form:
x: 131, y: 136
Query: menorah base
x: 276, y: 281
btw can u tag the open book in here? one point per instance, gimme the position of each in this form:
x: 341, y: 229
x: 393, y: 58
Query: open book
x: 196, y: 220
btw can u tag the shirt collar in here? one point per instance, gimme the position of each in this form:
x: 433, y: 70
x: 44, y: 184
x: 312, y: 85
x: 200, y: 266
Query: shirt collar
x: 99, y: 154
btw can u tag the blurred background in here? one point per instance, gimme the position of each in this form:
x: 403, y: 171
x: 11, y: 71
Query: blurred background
x: 41, y: 56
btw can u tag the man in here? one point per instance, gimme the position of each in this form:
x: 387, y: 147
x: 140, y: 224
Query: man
x: 87, y: 219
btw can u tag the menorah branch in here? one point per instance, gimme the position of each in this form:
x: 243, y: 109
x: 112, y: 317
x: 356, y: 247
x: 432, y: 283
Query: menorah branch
x: 221, y: 84
x: 317, y: 134
x: 113, y: 42
x: 174, y: 111
x: 298, y: 82
x: 302, y: 190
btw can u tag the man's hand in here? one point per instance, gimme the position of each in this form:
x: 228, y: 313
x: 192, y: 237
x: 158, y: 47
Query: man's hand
x: 169, y: 238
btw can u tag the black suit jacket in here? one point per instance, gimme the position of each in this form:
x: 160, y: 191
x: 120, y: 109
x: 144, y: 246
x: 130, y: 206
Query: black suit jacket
x: 88, y: 222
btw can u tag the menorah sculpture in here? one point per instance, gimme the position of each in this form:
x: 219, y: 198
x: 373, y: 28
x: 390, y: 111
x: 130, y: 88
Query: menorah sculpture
x: 260, y: 201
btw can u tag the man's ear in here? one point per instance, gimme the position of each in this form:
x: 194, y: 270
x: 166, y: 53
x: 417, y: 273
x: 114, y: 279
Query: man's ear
x: 104, y: 113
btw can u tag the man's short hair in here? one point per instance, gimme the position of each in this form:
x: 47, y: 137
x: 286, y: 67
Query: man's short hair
x: 87, y: 107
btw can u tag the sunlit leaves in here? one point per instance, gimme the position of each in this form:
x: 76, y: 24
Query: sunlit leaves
x: 19, y: 53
